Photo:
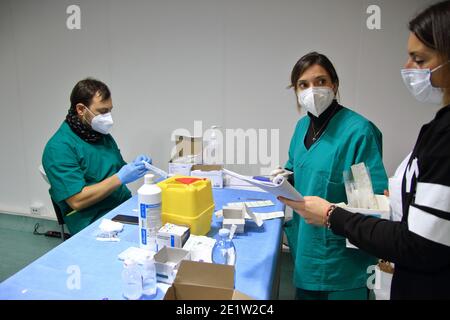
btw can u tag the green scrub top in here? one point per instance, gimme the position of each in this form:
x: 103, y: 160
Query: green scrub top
x: 322, y: 261
x: 72, y: 164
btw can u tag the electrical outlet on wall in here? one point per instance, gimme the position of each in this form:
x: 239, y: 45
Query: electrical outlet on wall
x: 36, y: 208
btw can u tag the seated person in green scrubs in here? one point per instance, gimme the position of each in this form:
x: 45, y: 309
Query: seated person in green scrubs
x: 86, y: 171
x: 327, y: 142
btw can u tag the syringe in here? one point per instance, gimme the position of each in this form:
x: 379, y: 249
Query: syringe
x: 156, y: 170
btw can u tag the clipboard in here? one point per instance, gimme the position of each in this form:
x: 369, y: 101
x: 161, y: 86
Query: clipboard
x: 278, y: 187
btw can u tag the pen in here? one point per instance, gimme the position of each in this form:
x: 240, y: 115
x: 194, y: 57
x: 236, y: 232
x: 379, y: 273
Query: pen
x: 264, y: 179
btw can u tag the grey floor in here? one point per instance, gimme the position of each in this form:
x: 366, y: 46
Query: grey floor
x: 19, y: 247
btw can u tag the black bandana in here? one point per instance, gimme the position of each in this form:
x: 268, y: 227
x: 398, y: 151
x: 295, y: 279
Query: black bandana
x: 85, y: 132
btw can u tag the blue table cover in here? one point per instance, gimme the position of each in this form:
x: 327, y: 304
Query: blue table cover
x: 52, y: 275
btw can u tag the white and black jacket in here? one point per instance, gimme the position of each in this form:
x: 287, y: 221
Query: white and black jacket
x: 419, y: 245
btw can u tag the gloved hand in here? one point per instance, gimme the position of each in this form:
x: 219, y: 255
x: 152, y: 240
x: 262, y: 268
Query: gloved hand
x: 131, y: 172
x: 279, y: 171
x: 143, y: 157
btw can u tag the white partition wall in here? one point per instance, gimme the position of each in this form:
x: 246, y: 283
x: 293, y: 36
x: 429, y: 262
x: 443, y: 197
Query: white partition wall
x: 171, y: 62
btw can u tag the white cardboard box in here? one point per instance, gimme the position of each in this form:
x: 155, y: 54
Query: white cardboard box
x: 182, y: 169
x: 234, y: 215
x: 212, y: 172
x: 167, y: 261
x: 172, y: 235
x: 200, y: 248
x: 189, y: 151
x: 383, y: 212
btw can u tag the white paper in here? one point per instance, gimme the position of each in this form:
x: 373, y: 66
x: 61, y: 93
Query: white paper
x: 136, y: 254
x: 384, y: 279
x: 108, y: 230
x: 252, y: 204
x: 365, y: 195
x: 279, y: 187
x: 382, y: 212
x: 258, y: 217
x: 107, y: 225
x: 266, y: 215
x: 271, y: 215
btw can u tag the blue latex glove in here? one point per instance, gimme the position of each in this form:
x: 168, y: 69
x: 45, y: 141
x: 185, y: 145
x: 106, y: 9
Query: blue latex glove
x: 143, y: 157
x: 131, y: 172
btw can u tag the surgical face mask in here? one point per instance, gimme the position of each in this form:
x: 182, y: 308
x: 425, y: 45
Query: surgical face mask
x: 418, y: 82
x: 316, y: 99
x: 102, y: 122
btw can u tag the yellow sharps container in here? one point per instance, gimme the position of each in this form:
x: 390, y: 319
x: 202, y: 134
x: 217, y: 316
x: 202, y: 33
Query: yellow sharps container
x: 187, y: 201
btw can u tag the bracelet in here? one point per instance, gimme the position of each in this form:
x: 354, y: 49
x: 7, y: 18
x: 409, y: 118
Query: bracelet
x: 329, y: 212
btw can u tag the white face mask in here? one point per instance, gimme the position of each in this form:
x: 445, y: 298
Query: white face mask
x: 418, y: 82
x: 316, y: 100
x: 102, y: 123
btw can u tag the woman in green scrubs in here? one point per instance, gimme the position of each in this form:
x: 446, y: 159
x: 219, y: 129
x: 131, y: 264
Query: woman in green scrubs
x: 327, y: 142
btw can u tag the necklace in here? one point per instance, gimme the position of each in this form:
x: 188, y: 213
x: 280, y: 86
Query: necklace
x: 314, y: 139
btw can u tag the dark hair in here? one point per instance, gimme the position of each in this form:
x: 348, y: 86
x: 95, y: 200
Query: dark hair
x: 432, y: 27
x: 85, y: 90
x: 310, y: 60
